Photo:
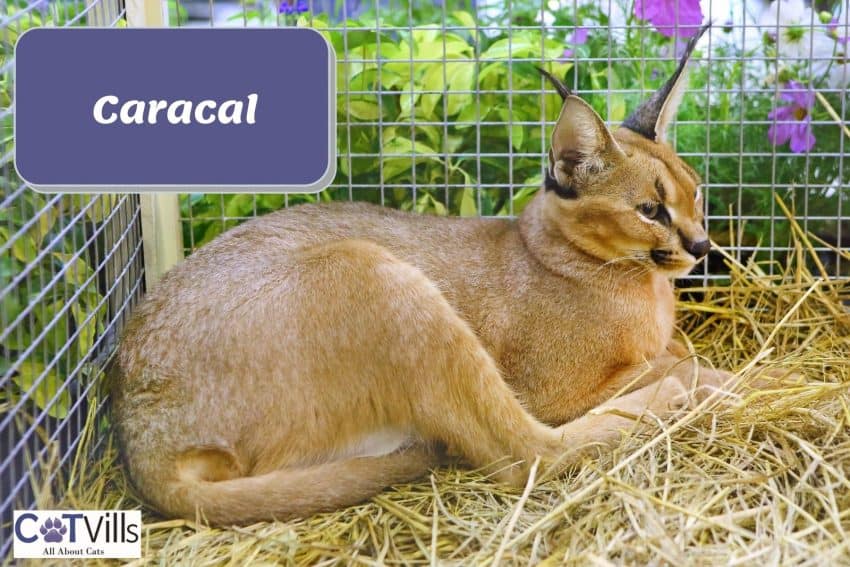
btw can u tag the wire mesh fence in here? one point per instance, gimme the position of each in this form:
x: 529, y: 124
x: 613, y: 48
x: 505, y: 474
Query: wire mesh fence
x: 440, y: 111
x: 70, y: 270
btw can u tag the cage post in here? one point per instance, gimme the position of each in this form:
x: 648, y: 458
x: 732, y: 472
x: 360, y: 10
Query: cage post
x: 147, y: 13
x: 161, y: 234
x: 102, y: 13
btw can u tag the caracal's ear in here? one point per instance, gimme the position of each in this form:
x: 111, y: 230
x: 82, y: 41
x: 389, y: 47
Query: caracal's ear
x: 581, y: 143
x: 653, y: 118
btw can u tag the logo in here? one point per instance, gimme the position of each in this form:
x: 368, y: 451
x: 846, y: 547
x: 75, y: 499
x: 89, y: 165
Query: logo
x: 53, y: 530
x: 83, y: 534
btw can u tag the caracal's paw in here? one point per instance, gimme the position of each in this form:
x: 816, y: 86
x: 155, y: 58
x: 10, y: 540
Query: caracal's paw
x: 709, y: 382
x: 772, y: 378
x: 703, y: 382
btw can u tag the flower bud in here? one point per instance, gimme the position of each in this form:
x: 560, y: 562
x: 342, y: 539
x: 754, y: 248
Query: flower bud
x: 785, y: 75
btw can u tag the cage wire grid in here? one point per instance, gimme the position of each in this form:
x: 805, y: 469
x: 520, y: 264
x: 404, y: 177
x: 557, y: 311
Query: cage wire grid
x: 70, y: 271
x: 728, y: 196
x: 72, y: 265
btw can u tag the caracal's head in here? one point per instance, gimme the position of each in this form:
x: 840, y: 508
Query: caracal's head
x: 626, y: 196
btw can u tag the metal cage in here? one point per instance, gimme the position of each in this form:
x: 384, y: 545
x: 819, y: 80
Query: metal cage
x: 70, y: 271
x: 486, y: 158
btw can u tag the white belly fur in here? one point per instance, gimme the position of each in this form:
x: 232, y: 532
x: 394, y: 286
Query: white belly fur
x: 377, y: 443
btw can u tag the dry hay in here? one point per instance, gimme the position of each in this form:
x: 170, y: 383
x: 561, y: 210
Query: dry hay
x: 760, y: 476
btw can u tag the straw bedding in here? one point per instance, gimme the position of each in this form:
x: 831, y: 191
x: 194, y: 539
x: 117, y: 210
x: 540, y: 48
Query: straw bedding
x: 757, y: 476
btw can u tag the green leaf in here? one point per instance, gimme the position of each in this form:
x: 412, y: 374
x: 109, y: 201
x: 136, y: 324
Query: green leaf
x: 77, y: 271
x: 46, y: 220
x: 361, y: 109
x: 24, y: 248
x: 493, y: 69
x: 408, y: 102
x: 465, y: 19
x: 213, y: 230
x: 425, y: 34
x: 102, y: 207
x: 394, y: 166
x: 271, y: 201
x: 517, y: 46
x: 87, y: 330
x: 468, y: 207
x: 48, y: 314
x: 446, y: 78
x: 427, y: 204
x: 461, y: 77
x: 390, y: 79
x: 526, y: 194
x: 516, y: 130
x: 241, y: 205
x: 177, y: 14
x: 433, y: 133
x: 51, y: 383
x: 400, y: 145
x: 468, y: 113
x: 450, y: 46
x: 618, y: 108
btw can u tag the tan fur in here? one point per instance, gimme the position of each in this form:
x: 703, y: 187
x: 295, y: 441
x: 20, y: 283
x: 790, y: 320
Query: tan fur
x: 261, y: 376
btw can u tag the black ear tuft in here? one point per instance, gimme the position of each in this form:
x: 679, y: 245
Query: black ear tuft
x: 562, y: 89
x: 649, y: 119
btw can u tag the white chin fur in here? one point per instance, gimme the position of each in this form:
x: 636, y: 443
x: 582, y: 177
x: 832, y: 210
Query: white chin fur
x: 679, y: 272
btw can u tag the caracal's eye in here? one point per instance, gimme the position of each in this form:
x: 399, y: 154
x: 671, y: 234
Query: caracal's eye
x: 649, y: 210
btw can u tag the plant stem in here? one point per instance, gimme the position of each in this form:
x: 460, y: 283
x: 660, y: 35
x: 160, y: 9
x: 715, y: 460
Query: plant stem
x: 834, y: 115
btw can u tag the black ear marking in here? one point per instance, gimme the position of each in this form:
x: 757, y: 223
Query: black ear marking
x: 644, y: 119
x: 562, y: 89
x: 551, y: 184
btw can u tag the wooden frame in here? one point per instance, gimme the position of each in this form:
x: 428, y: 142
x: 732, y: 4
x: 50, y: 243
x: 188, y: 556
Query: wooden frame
x: 162, y: 236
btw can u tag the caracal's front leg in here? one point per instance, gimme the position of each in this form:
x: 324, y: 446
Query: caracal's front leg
x: 605, y: 426
x: 677, y: 362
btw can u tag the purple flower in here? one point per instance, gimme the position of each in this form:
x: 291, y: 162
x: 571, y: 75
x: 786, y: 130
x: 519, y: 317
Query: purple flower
x: 579, y: 38
x: 671, y: 17
x: 832, y: 30
x: 793, y: 122
x: 298, y: 7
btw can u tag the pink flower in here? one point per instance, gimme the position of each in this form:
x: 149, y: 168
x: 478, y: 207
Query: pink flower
x: 579, y: 38
x: 793, y: 122
x: 671, y: 17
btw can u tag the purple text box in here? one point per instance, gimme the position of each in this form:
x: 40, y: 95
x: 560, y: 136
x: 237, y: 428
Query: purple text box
x: 173, y: 109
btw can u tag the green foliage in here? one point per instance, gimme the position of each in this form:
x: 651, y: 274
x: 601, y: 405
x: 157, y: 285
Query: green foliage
x: 177, y: 14
x: 48, y: 266
x: 432, y: 119
x: 56, y: 296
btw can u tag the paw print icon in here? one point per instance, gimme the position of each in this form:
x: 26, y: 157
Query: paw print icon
x: 52, y: 530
